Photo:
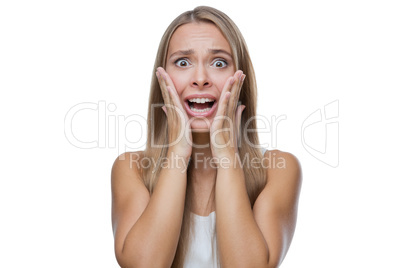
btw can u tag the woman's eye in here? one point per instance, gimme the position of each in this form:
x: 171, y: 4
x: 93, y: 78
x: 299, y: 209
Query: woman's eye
x: 220, y: 63
x: 182, y: 63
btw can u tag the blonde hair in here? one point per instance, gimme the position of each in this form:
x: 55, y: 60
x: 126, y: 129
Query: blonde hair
x: 157, y: 121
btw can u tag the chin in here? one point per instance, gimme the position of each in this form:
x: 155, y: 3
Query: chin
x: 200, y: 125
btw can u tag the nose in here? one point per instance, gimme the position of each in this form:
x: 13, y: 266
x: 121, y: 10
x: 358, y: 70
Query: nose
x: 201, y: 78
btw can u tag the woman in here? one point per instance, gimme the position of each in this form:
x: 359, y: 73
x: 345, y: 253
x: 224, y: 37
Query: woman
x: 197, y: 197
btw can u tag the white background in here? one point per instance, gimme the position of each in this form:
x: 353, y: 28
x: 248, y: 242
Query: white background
x: 55, y: 198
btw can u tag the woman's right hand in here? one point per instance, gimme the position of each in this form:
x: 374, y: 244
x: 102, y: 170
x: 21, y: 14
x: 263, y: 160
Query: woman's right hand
x: 179, y: 130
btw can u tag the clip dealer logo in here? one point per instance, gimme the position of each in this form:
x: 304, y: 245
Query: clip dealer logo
x: 90, y: 125
x: 320, y: 134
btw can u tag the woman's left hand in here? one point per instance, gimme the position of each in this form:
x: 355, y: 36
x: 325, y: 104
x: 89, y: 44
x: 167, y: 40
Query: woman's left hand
x: 225, y: 128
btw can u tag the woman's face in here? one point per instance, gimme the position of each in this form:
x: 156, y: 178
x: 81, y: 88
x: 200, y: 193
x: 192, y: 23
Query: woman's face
x: 199, y: 61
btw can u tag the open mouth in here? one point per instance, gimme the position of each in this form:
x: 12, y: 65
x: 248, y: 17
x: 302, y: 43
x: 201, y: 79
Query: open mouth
x: 200, y: 105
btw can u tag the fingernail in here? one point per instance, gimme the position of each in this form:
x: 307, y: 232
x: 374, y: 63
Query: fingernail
x: 157, y: 74
x: 240, y: 75
x: 232, y: 80
x: 243, y: 77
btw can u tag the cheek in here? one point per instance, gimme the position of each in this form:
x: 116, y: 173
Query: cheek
x: 220, y: 80
x: 178, y: 81
x: 179, y: 85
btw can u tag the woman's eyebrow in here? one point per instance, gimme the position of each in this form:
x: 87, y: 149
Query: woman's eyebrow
x: 218, y: 51
x: 191, y: 52
x: 182, y: 52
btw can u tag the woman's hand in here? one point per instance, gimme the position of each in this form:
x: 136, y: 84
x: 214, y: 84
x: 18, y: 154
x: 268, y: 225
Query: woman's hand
x: 179, y: 130
x: 225, y: 128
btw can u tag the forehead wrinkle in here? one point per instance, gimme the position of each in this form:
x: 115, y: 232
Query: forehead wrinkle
x: 183, y: 52
x: 204, y: 36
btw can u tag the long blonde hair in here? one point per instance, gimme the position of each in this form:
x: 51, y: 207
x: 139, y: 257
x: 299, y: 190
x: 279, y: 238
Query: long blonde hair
x: 157, y: 121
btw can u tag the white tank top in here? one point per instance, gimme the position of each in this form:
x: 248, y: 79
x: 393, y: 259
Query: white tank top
x: 202, y: 251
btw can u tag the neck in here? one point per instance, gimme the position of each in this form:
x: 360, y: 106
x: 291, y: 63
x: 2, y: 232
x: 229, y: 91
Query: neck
x: 201, y: 153
x: 203, y: 174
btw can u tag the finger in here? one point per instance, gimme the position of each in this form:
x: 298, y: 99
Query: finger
x: 222, y: 101
x: 228, y: 86
x: 243, y: 76
x: 171, y: 98
x: 239, y: 112
x: 165, y: 77
x: 235, y: 94
x: 236, y: 102
x: 176, y: 102
x: 169, y: 107
x: 236, y: 77
x: 174, y: 96
x: 168, y: 83
x: 222, y: 107
x: 226, y: 89
x: 162, y: 85
x: 176, y: 106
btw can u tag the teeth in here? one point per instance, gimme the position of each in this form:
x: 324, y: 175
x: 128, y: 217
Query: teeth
x: 201, y: 100
x: 199, y: 110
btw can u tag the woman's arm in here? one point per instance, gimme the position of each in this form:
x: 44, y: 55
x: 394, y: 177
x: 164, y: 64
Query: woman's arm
x: 262, y: 236
x: 146, y: 228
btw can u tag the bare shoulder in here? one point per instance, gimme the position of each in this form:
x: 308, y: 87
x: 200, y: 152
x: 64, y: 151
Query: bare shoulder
x: 128, y: 163
x: 284, y: 163
x: 284, y: 179
x: 127, y: 178
x: 275, y: 209
x: 129, y: 194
